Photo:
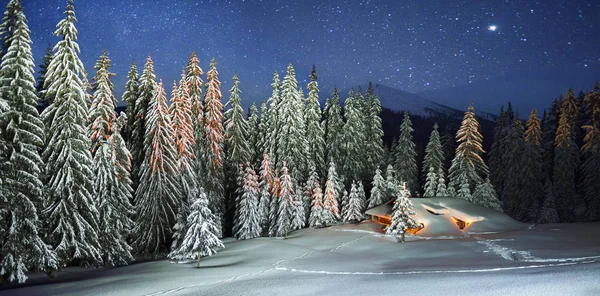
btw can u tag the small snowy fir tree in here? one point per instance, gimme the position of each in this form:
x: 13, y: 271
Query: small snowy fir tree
x: 286, y: 203
x: 464, y: 190
x: 265, y: 185
x: 298, y: 215
x: 21, y: 137
x: 71, y: 216
x: 441, y: 191
x: 485, y: 196
x: 378, y: 192
x: 431, y: 183
x: 334, y: 130
x: 274, y: 206
x: 402, y: 216
x: 406, y: 155
x: 316, y: 218
x: 331, y: 208
x: 157, y: 196
x: 248, y: 226
x: 355, y: 209
x: 202, y: 236
x: 392, y: 186
x: 548, y: 212
x: 362, y: 195
x: 345, y: 200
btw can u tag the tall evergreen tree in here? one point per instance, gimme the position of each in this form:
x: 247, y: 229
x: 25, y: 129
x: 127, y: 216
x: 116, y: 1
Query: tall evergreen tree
x: 512, y: 194
x: 591, y: 151
x: 274, y: 125
x: 262, y: 145
x: 532, y: 190
x: 352, y: 167
x: 41, y: 79
x: 334, y: 131
x: 378, y: 192
x: 549, y: 125
x: 406, y: 156
x: 331, y: 208
x: 253, y: 136
x: 374, y: 132
x: 467, y: 165
x: 433, y: 163
x: 22, y: 136
x: 132, y: 89
x: 138, y: 130
x: 157, y: 196
x: 498, y: 156
x: 71, y: 217
x: 266, y: 188
x: 194, y: 83
x: 315, y: 134
x: 213, y: 133
x: 248, y: 224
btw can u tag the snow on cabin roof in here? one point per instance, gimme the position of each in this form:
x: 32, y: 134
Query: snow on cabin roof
x: 384, y: 210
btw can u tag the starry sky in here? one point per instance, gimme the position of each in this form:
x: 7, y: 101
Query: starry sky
x: 410, y: 45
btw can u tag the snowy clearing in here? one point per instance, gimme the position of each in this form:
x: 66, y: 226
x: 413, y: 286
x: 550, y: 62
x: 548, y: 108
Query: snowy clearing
x: 356, y: 258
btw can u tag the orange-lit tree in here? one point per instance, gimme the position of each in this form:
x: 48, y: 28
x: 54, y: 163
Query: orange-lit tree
x: 274, y: 206
x: 158, y: 193
x: 286, y: 203
x: 331, y: 209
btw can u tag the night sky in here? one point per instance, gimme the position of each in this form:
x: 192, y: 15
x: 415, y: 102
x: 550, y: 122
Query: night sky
x: 409, y: 45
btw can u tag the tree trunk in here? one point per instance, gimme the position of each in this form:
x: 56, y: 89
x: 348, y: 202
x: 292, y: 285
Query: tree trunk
x: 198, y: 264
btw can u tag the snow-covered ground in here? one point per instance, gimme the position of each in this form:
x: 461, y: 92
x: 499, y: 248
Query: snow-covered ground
x: 559, y: 259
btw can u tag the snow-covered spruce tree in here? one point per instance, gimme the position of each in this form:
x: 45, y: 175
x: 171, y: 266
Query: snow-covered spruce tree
x: 467, y: 165
x: 202, y: 236
x: 433, y: 162
x: 273, y: 124
x: 158, y: 194
x: 194, y: 83
x: 533, y: 175
x: 378, y: 192
x: 286, y: 203
x: 344, y: 202
x: 265, y: 186
x: 362, y: 195
x: 352, y: 167
x: 262, y: 145
x: 548, y: 211
x: 442, y: 190
x: 591, y: 152
x: 392, y: 186
x: 566, y: 162
x: 374, y: 132
x: 406, y: 156
x: 274, y: 205
x: 464, y: 189
x: 213, y: 142
x: 248, y: 221
x: 331, y: 209
x: 315, y: 134
x: 307, y: 193
x: 41, y: 78
x: 111, y: 167
x: 291, y: 137
x: 132, y: 89
x: 498, y: 156
x: 402, y: 216
x: 180, y: 112
x: 355, y: 209
x: 8, y: 25
x: 138, y: 130
x: 316, y: 218
x: 485, y: 196
x: 21, y: 137
x: 298, y: 214
x: 334, y: 131
x: 71, y: 216
x: 253, y: 134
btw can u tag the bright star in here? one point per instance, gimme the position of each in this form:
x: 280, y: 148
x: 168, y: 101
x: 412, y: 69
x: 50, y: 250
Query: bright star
x: 492, y: 28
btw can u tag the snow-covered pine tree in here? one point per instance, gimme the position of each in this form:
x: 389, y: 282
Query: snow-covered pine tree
x: 213, y: 142
x: 464, y: 189
x: 21, y: 137
x: 548, y: 212
x: 344, y: 201
x: 194, y: 83
x: 362, y: 195
x: 138, y: 130
x: 291, y: 136
x: 253, y: 134
x: 566, y: 162
x: 315, y: 134
x: 298, y: 214
x: 378, y: 192
x: 286, y: 203
x: 334, y: 131
x: 274, y: 121
x: 41, y: 79
x: 158, y: 194
x: 181, y: 114
x: 331, y: 209
x: 202, y: 236
x: 248, y: 221
x: 485, y: 196
x: 406, y: 156
x: 355, y: 208
x: 236, y: 147
x: 402, y: 216
x: 374, y: 132
x: 353, y: 130
x: 132, y: 89
x: 317, y: 218
x: 274, y: 206
x: 392, y: 186
x: 8, y: 26
x: 442, y: 191
x: 533, y: 174
x: 433, y: 162
x: 591, y: 152
x: 262, y: 145
x: 265, y: 185
x: 467, y: 165
x: 71, y: 216
x: 111, y: 167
